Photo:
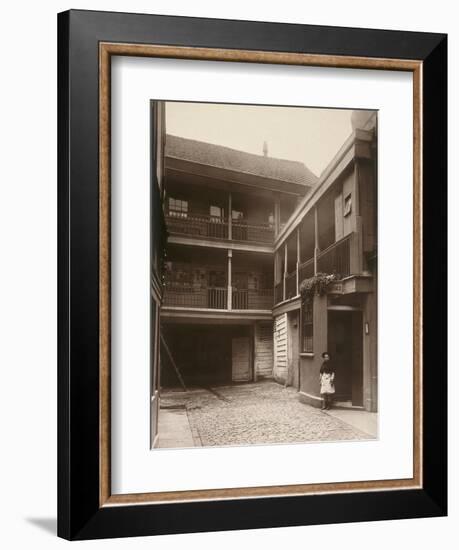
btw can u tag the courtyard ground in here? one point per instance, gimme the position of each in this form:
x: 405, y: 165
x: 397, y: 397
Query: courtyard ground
x: 254, y: 413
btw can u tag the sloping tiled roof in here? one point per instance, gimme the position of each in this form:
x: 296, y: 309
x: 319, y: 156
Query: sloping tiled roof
x: 239, y: 161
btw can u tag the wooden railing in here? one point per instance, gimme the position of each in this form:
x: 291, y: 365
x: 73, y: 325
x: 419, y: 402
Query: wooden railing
x: 279, y: 292
x: 305, y: 270
x: 198, y: 226
x: 217, y: 298
x: 178, y: 295
x: 290, y: 285
x: 245, y: 231
x: 205, y: 226
x: 184, y: 296
x: 252, y: 298
x: 340, y: 258
x: 240, y: 298
x: 336, y: 258
x: 261, y: 298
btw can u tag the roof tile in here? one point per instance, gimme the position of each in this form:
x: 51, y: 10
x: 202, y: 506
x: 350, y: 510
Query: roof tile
x: 240, y: 161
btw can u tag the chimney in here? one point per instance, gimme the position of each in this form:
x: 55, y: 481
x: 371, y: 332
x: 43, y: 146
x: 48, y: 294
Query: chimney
x: 265, y: 149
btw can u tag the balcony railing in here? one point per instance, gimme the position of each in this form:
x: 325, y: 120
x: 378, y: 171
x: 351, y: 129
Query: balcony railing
x: 336, y: 258
x: 217, y: 298
x: 198, y: 226
x: 279, y: 292
x: 259, y: 233
x: 261, y: 298
x: 290, y: 285
x: 205, y: 226
x: 306, y: 270
x: 185, y: 296
x: 196, y: 297
x: 240, y: 299
x: 182, y: 295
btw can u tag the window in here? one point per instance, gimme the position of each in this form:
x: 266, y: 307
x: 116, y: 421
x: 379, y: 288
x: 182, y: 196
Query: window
x: 307, y: 327
x: 178, y: 208
x: 179, y: 275
x: 237, y: 215
x: 347, y: 205
x: 217, y: 213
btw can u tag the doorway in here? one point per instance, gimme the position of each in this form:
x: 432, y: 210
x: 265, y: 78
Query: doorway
x: 241, y: 359
x: 345, y: 345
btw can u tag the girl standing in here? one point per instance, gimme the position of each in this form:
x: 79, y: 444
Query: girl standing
x: 327, y: 381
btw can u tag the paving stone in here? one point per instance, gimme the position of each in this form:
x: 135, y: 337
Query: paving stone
x: 256, y: 413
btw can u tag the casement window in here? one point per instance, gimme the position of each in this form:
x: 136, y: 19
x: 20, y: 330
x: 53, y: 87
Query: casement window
x: 178, y: 208
x: 307, y: 329
x: 217, y: 213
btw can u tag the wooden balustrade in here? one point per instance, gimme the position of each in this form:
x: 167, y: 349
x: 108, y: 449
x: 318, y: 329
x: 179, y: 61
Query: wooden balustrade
x: 305, y: 270
x: 177, y: 295
x: 184, y: 296
x: 336, y: 258
x: 290, y: 285
x: 205, y: 226
x: 261, y: 298
x: 198, y: 226
x: 217, y: 298
x: 240, y: 298
x: 279, y: 292
x: 245, y: 231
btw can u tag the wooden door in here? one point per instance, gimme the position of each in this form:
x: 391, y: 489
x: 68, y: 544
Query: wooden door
x: 345, y: 346
x: 241, y: 359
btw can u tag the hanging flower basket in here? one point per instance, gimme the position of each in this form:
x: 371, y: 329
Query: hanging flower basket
x: 316, y: 285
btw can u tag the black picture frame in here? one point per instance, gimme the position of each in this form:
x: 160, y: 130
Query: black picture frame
x: 80, y: 515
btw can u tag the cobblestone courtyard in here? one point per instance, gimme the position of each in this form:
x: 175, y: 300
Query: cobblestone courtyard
x: 256, y: 413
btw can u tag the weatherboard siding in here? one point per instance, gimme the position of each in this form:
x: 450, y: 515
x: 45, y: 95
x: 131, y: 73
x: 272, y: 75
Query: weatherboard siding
x: 280, y: 348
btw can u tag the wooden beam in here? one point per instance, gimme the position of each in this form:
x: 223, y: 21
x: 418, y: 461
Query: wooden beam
x: 171, y: 359
x: 285, y: 270
x: 230, y: 274
x: 230, y: 216
x: 316, y: 238
x: 297, y: 261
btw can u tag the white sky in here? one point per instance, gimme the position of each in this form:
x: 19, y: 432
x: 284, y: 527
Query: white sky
x: 310, y: 135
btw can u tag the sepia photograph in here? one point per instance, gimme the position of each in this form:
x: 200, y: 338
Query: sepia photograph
x: 263, y: 275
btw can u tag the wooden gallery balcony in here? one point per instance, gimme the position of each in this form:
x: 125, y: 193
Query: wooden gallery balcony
x: 341, y: 258
x: 206, y: 297
x: 211, y: 227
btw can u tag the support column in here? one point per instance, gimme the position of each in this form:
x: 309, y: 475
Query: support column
x: 357, y: 252
x: 277, y: 221
x: 316, y: 238
x: 230, y: 216
x: 230, y: 288
x: 298, y: 259
x: 284, y: 294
